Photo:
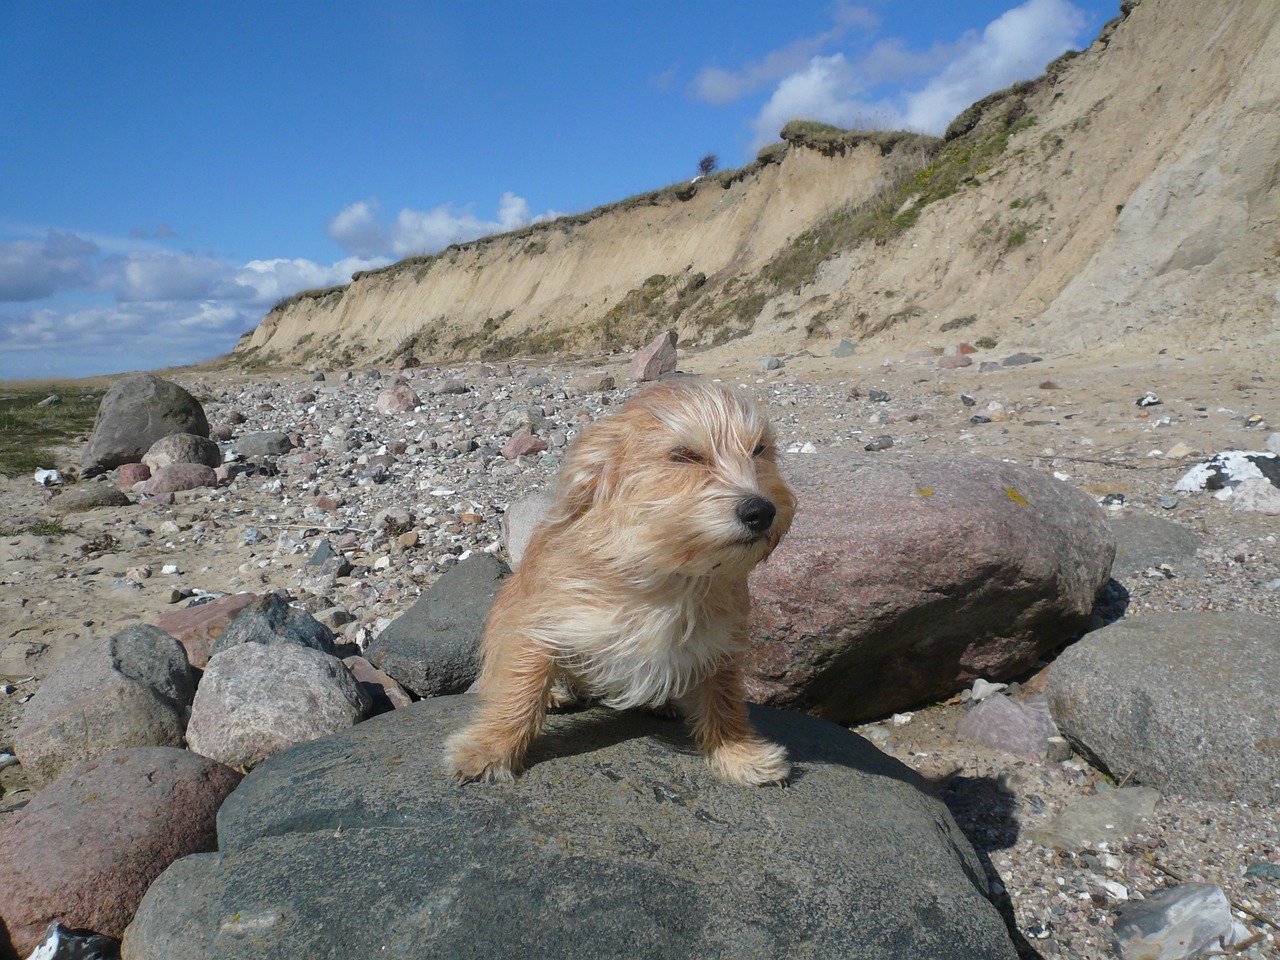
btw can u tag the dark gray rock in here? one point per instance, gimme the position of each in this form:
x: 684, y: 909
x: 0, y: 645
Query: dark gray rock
x: 1186, y: 702
x: 150, y: 656
x: 905, y: 579
x: 432, y: 648
x: 617, y: 842
x: 135, y: 413
x: 1143, y: 542
x: 85, y: 849
x: 270, y: 619
x: 264, y: 443
x: 130, y: 691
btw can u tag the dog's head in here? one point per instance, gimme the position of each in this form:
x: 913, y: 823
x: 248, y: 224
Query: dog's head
x: 682, y: 479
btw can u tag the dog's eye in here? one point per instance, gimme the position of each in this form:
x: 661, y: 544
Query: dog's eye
x: 685, y: 455
x: 760, y: 449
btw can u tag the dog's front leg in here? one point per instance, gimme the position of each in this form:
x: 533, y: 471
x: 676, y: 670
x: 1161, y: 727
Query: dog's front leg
x: 720, y: 725
x: 515, y: 692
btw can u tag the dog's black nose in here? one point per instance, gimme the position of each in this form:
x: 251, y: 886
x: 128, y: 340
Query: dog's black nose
x: 756, y: 513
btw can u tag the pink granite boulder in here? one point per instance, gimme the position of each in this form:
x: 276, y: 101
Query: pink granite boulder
x: 85, y: 849
x: 905, y: 579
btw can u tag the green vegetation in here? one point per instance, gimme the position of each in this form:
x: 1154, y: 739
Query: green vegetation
x: 53, y: 529
x: 318, y: 293
x: 29, y: 431
x: 985, y: 343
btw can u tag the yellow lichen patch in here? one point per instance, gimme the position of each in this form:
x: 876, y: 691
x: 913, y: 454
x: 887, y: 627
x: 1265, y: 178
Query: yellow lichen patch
x: 1015, y: 496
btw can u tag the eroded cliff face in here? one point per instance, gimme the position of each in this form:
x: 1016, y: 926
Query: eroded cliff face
x: 1131, y: 191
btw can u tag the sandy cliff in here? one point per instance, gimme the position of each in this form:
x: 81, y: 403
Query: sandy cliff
x: 1131, y: 192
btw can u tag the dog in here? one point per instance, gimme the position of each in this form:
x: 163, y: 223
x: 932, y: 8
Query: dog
x: 633, y: 590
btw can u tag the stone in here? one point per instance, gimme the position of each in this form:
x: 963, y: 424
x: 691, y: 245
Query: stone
x: 180, y: 476
x: 129, y: 691
x: 198, y: 624
x: 771, y: 363
x: 1229, y: 469
x: 1019, y: 360
x: 523, y: 445
x: 136, y: 412
x: 431, y: 649
x: 1006, y: 724
x: 182, y: 448
x: 383, y: 692
x: 653, y: 361
x: 592, y: 383
x: 131, y: 473
x: 518, y: 522
x: 257, y: 699
x: 398, y: 398
x: 1185, y: 922
x: 526, y: 419
x: 845, y: 348
x: 904, y: 580
x: 1185, y: 702
x: 1106, y: 817
x: 59, y: 943
x: 85, y: 849
x: 618, y: 841
x: 270, y: 619
x: 1257, y: 494
x: 451, y: 387
x: 954, y: 362
x: 88, y: 496
x: 1144, y: 541
x: 263, y: 443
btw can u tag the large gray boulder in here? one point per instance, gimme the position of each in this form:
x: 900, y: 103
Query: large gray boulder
x: 86, y: 848
x: 432, y: 648
x: 135, y: 413
x: 1188, y: 703
x: 130, y: 691
x: 617, y: 842
x: 906, y: 578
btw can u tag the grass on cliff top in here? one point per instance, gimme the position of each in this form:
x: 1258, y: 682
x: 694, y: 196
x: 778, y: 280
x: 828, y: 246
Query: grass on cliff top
x: 30, y: 432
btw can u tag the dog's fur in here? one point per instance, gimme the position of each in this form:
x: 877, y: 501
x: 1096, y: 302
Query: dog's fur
x: 634, y: 589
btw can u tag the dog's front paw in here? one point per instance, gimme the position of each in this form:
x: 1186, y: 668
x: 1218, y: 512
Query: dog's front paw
x: 751, y: 762
x: 470, y: 759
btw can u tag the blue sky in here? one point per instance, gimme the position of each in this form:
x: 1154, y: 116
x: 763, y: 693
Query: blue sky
x: 168, y: 171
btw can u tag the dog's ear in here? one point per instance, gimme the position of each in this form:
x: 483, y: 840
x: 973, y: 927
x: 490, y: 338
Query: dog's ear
x: 589, y: 471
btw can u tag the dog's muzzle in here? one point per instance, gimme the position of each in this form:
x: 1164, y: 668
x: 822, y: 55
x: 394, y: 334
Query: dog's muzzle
x: 756, y: 514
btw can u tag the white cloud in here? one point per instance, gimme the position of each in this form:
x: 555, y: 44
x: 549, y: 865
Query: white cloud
x: 272, y: 280
x: 31, y: 270
x: 846, y: 91
x: 118, y: 337
x: 359, y: 230
x: 161, y: 276
x: 169, y: 307
x: 1015, y: 46
x: 827, y: 90
x: 718, y: 86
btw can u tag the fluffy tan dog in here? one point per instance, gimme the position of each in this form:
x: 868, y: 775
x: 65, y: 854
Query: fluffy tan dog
x: 634, y: 589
